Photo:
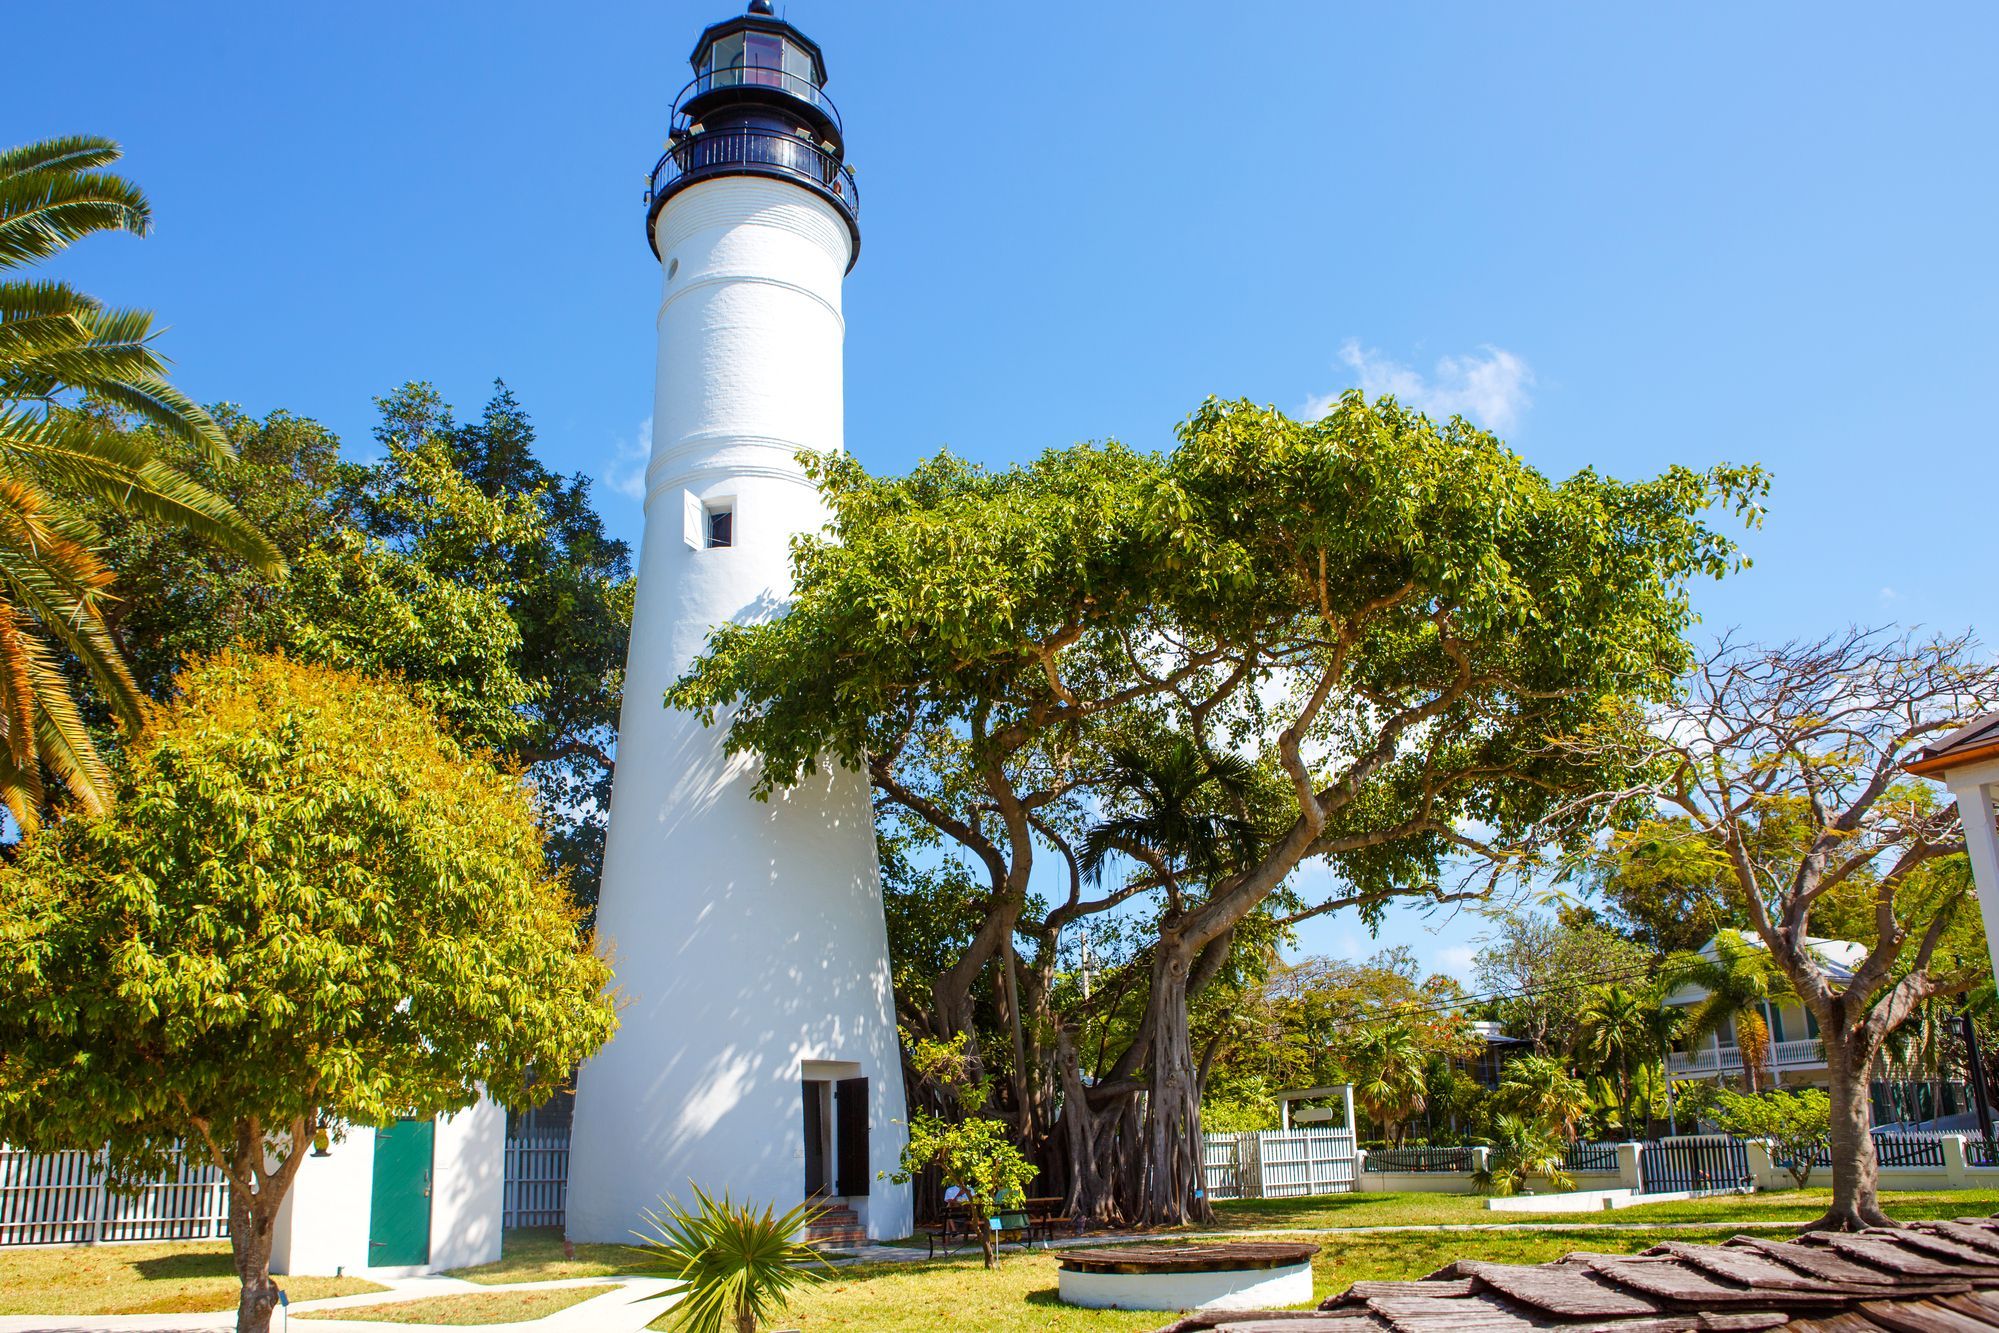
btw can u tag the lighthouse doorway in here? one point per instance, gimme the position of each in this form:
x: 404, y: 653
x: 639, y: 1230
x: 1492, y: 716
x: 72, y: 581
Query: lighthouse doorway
x: 836, y: 1131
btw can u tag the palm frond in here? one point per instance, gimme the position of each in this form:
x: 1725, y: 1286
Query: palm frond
x: 43, y: 212
x: 71, y: 152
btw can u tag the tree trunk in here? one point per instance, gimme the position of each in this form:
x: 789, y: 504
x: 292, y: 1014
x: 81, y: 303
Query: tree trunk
x: 746, y: 1319
x: 988, y: 1242
x: 1091, y: 1195
x: 250, y: 1249
x: 1856, y: 1200
x: 1172, y: 1187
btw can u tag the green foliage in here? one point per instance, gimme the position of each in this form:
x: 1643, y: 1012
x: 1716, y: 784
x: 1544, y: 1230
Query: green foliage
x: 310, y: 908
x: 1539, y: 1091
x: 1389, y: 1070
x: 739, y: 1266
x: 1737, y: 982
x: 1549, y: 966
x: 1521, y: 1151
x: 455, y: 562
x: 975, y: 1157
x: 58, y: 347
x: 1797, y: 1124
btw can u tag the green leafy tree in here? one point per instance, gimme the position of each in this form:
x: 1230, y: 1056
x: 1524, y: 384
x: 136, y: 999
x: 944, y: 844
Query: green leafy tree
x: 311, y: 908
x: 974, y: 1155
x: 1614, y: 1033
x: 1521, y: 1152
x: 1548, y: 965
x: 454, y: 562
x: 1796, y: 1124
x: 738, y: 1266
x: 1391, y: 616
x: 59, y: 347
x: 1818, y: 734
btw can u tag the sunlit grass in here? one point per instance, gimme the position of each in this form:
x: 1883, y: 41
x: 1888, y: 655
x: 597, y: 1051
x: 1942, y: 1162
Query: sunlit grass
x: 478, y: 1307
x: 167, y: 1278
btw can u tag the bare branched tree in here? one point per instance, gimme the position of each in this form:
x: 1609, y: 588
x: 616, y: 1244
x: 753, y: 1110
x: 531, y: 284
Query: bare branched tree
x: 1784, y: 767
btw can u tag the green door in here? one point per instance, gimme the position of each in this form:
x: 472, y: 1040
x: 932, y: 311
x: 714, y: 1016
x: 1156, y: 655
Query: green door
x: 399, y: 1212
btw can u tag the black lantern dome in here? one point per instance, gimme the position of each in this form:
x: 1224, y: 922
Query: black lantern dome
x: 757, y: 106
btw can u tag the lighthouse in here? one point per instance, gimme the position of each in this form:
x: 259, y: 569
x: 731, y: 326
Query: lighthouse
x: 757, y: 1051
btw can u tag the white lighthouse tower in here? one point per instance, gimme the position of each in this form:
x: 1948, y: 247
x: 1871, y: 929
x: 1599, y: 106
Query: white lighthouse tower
x: 758, y: 1049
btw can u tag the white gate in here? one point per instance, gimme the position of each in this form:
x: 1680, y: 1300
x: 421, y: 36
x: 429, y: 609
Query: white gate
x: 536, y: 1179
x: 1278, y: 1165
x: 64, y: 1198
x: 1310, y: 1161
x: 1228, y: 1166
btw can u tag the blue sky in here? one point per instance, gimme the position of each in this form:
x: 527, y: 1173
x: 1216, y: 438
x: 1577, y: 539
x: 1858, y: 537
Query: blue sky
x: 1625, y: 236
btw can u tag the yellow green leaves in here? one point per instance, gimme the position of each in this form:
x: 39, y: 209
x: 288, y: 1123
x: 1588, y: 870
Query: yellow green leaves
x: 309, y: 904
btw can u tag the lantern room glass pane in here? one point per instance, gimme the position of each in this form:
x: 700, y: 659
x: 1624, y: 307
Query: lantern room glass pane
x: 763, y: 58
x: 726, y: 53
x: 798, y: 64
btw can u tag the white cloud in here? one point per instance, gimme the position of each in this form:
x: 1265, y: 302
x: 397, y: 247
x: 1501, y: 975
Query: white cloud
x: 1455, y: 960
x: 1489, y: 386
x: 626, y: 472
x: 1890, y: 595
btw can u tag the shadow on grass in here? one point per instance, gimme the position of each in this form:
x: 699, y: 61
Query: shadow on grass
x: 182, y: 1267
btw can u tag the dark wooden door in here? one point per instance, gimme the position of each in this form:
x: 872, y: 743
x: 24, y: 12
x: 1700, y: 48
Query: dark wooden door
x: 815, y: 1138
x: 850, y: 1097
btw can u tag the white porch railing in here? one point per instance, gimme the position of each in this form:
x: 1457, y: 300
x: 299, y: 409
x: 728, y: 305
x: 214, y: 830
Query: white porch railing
x: 1727, y: 1059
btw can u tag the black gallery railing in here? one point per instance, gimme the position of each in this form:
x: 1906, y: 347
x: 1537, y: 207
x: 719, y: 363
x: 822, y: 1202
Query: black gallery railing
x: 758, y: 76
x: 773, y: 151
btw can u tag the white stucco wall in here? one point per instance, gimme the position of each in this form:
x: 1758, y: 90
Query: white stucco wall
x: 1253, y: 1289
x: 323, y: 1225
x: 747, y: 936
x: 468, y: 1163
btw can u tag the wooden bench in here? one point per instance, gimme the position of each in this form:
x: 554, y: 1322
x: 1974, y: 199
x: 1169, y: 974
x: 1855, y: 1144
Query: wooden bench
x: 1035, y: 1219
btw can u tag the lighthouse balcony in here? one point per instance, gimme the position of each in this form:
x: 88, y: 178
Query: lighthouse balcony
x: 752, y: 150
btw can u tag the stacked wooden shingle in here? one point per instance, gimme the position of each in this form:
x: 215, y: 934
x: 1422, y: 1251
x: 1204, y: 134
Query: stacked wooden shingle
x: 1929, y: 1277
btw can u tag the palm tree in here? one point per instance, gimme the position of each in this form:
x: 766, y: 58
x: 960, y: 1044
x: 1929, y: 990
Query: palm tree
x: 1171, y: 817
x: 1539, y: 1089
x: 1520, y: 1151
x: 1665, y: 1025
x: 1389, y: 1072
x: 60, y: 348
x: 1739, y: 981
x: 1613, y: 1033
x: 738, y: 1265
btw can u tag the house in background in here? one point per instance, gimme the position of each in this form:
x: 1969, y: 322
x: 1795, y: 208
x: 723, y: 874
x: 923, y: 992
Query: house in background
x: 1794, y: 1057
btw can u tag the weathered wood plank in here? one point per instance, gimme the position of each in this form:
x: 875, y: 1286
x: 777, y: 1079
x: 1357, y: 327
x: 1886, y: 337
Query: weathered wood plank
x: 1983, y: 1238
x: 1757, y: 1270
x: 1922, y: 1317
x: 1672, y: 1280
x: 1887, y: 1254
x: 1572, y: 1292
x: 1817, y: 1262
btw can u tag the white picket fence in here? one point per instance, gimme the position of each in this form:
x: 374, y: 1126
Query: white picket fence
x: 65, y: 1199
x: 537, y: 1179
x: 1278, y: 1164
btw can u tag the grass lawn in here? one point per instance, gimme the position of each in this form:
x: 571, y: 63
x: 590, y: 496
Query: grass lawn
x: 1020, y: 1297
x: 168, y: 1278
x: 1379, y: 1210
x: 478, y: 1307
x: 534, y: 1254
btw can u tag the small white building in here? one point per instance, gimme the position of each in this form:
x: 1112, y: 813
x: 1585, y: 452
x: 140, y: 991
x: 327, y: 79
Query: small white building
x: 420, y: 1196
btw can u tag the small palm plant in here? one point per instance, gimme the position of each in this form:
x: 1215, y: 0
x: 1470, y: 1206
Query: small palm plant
x: 738, y: 1266
x: 1520, y: 1151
